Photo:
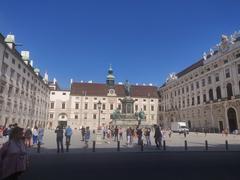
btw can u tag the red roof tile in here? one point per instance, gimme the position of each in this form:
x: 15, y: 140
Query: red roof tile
x: 97, y: 89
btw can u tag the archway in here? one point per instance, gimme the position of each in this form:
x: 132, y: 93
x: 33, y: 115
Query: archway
x: 232, y: 119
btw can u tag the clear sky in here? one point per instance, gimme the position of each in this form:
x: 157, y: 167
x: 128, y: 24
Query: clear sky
x: 143, y: 40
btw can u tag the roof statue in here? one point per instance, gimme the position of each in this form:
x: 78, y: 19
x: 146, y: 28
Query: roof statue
x: 204, y: 55
x: 172, y: 76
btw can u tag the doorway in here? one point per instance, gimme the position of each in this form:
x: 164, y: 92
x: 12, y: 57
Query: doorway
x: 232, y: 119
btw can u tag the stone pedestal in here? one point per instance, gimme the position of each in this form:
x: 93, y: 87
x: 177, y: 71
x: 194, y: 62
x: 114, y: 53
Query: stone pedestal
x: 99, y: 136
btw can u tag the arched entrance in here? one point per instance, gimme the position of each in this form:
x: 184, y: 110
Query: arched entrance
x: 232, y: 119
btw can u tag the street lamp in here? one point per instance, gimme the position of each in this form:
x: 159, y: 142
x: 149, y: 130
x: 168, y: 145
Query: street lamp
x: 99, y: 104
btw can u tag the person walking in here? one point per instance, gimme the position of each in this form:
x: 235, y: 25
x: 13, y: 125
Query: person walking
x: 83, y: 131
x: 139, y: 135
x: 40, y: 135
x: 59, y: 134
x: 35, y: 135
x: 28, y: 137
x: 158, y: 136
x: 116, y: 130
x: 68, y: 134
x: 13, y: 156
x: 87, y: 137
x: 147, y: 136
x: 120, y: 134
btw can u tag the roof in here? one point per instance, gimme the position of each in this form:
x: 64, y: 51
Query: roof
x: 190, y: 68
x: 98, y: 89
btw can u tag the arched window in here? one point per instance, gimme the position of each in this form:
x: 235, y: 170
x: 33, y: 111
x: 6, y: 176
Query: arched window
x: 218, y: 91
x: 210, y: 94
x: 229, y: 90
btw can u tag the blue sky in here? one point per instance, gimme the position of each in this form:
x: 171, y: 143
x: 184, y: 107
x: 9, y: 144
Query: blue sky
x: 143, y: 40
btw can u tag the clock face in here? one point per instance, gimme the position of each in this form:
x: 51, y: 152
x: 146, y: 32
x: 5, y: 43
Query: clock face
x: 111, y: 91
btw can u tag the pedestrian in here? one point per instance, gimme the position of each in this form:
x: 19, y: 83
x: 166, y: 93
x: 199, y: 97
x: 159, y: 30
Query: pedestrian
x: 116, y: 130
x: 83, y: 131
x: 87, y: 137
x: 40, y: 135
x: 169, y: 133
x: 158, y: 136
x: 28, y: 137
x: 68, y: 134
x: 59, y: 134
x: 13, y: 156
x: 120, y: 134
x: 129, y: 134
x: 139, y: 135
x: 35, y: 135
x: 185, y: 133
x: 147, y: 136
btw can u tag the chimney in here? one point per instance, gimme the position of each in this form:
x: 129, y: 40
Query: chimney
x: 25, y: 56
x: 10, y: 40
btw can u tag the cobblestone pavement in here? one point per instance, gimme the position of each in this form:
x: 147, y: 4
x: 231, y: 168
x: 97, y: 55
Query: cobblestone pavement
x: 195, y: 142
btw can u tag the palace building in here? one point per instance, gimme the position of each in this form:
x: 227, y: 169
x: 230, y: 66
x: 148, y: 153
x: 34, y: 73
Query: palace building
x: 79, y: 106
x: 207, y: 93
x: 24, y: 93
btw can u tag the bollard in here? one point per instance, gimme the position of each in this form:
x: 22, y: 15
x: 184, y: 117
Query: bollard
x: 185, y: 143
x: 118, y: 146
x: 164, y: 145
x: 206, y: 145
x: 226, y: 142
x: 141, y: 145
x: 94, y: 145
x: 38, y: 147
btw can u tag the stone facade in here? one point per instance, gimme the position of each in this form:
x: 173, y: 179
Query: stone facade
x: 24, y: 94
x: 206, y: 94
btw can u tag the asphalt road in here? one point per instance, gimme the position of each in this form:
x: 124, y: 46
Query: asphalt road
x: 135, y: 165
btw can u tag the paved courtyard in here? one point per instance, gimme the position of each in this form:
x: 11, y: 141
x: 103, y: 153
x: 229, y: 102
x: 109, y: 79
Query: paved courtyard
x: 195, y: 142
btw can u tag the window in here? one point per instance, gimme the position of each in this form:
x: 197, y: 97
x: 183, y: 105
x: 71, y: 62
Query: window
x: 86, y: 106
x: 144, y: 107
x: 111, y: 106
x: 197, y: 84
x: 63, y: 105
x: 225, y: 61
x: 192, y: 101
x: 198, y: 99
x: 95, y: 106
x: 203, y: 82
x: 192, y: 87
x: 218, y: 91
x: 182, y: 90
x: 76, y: 117
x: 238, y: 55
x: 104, y: 106
x: 238, y: 68
x: 227, y: 73
x: 144, y: 100
x: 19, y: 66
x: 179, y: 92
x: 52, y: 105
x: 152, y: 108
x: 85, y: 115
x: 53, y: 93
x: 209, y: 80
x: 188, y: 102
x: 51, y: 115
x: 187, y: 89
x: 136, y: 107
x: 12, y: 74
x: 4, y: 69
x: 13, y: 61
x: 63, y: 93
x: 76, y: 105
x: 217, y: 77
x: 210, y: 95
x: 24, y: 70
x: 94, y: 116
x: 229, y: 90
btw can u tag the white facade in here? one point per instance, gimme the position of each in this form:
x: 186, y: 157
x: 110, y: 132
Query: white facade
x: 24, y: 96
x: 206, y: 95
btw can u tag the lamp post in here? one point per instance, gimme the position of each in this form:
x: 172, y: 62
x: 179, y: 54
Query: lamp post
x: 99, y: 104
x: 99, y: 132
